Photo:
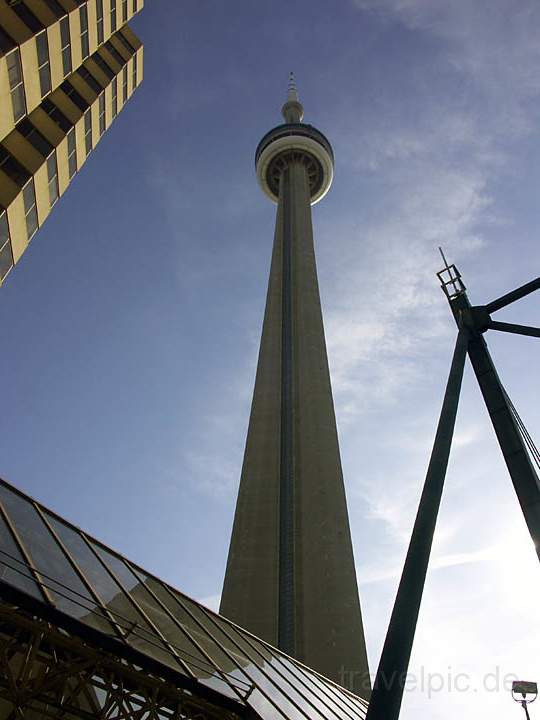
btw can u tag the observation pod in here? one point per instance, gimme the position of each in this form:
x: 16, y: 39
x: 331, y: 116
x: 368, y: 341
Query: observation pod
x: 294, y: 141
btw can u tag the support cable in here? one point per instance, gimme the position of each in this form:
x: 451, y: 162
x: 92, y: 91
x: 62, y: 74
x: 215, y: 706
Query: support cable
x: 535, y: 453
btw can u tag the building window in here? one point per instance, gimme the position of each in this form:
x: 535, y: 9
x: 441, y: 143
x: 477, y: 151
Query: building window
x: 38, y: 141
x: 114, y: 52
x: 44, y: 68
x: 114, y: 98
x: 134, y: 71
x: 101, y: 114
x: 13, y: 168
x: 56, y: 115
x: 113, y: 16
x: 75, y: 97
x: 99, y: 11
x: 72, y: 152
x: 125, y: 84
x: 52, y: 175
x: 89, y: 79
x: 6, y: 255
x: 103, y: 66
x: 30, y: 209
x: 16, y: 84
x: 83, y: 17
x: 88, y: 131
x: 65, y: 37
x: 125, y: 42
x: 124, y: 10
x: 7, y: 43
x: 56, y: 9
x: 134, y: 6
x: 27, y: 16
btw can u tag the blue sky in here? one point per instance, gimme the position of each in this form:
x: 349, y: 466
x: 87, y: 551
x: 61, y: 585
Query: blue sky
x: 131, y: 326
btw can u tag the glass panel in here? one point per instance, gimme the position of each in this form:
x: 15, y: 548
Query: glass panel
x: 113, y: 15
x: 13, y: 167
x: 114, y: 52
x: 85, y: 48
x: 72, y: 162
x: 71, y: 141
x: 6, y: 42
x: 66, y: 46
x: 72, y: 153
x: 140, y: 635
x: 29, y: 197
x: 125, y: 42
x: 45, y: 79
x: 198, y: 662
x: 64, y: 585
x: 16, y: 84
x: 56, y: 115
x: 66, y: 61
x: 266, y: 660
x: 14, y: 68
x: 144, y: 600
x: 253, y: 669
x: 90, y: 80
x: 6, y: 261
x: 324, y: 705
x: 320, y: 688
x: 42, y: 48
x: 124, y: 10
x: 102, y: 113
x: 31, y: 223
x: 74, y: 96
x: 114, y: 98
x: 4, y: 229
x: 52, y: 174
x: 64, y: 32
x: 100, y: 62
x: 19, y: 103
x: 83, y: 16
x: 13, y: 568
x: 55, y: 8
x: 88, y: 130
x: 27, y: 16
x: 34, y: 137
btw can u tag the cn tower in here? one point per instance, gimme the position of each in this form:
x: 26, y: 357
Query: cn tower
x: 290, y: 576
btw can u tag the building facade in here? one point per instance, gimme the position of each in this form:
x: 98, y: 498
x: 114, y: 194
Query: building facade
x: 67, y: 68
x: 290, y: 575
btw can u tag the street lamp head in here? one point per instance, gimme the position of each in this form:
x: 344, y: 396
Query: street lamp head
x: 528, y: 691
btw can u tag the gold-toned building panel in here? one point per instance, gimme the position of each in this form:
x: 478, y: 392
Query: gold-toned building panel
x: 67, y: 68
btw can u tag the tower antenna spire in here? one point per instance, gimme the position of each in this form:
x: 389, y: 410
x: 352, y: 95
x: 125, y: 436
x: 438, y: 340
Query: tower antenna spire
x: 292, y: 93
x: 292, y: 111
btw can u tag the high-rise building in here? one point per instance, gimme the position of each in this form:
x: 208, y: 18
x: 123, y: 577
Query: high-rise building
x: 290, y: 575
x: 67, y: 68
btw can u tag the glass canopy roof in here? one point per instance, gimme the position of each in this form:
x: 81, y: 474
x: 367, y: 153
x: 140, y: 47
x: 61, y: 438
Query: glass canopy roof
x: 59, y: 567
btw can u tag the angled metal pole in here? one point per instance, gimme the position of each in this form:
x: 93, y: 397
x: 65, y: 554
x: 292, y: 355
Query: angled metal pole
x: 513, y: 296
x: 513, y: 328
x: 389, y: 682
x: 516, y: 456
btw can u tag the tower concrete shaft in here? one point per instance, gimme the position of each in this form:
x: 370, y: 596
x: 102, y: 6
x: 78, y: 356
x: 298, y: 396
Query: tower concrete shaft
x: 290, y: 575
